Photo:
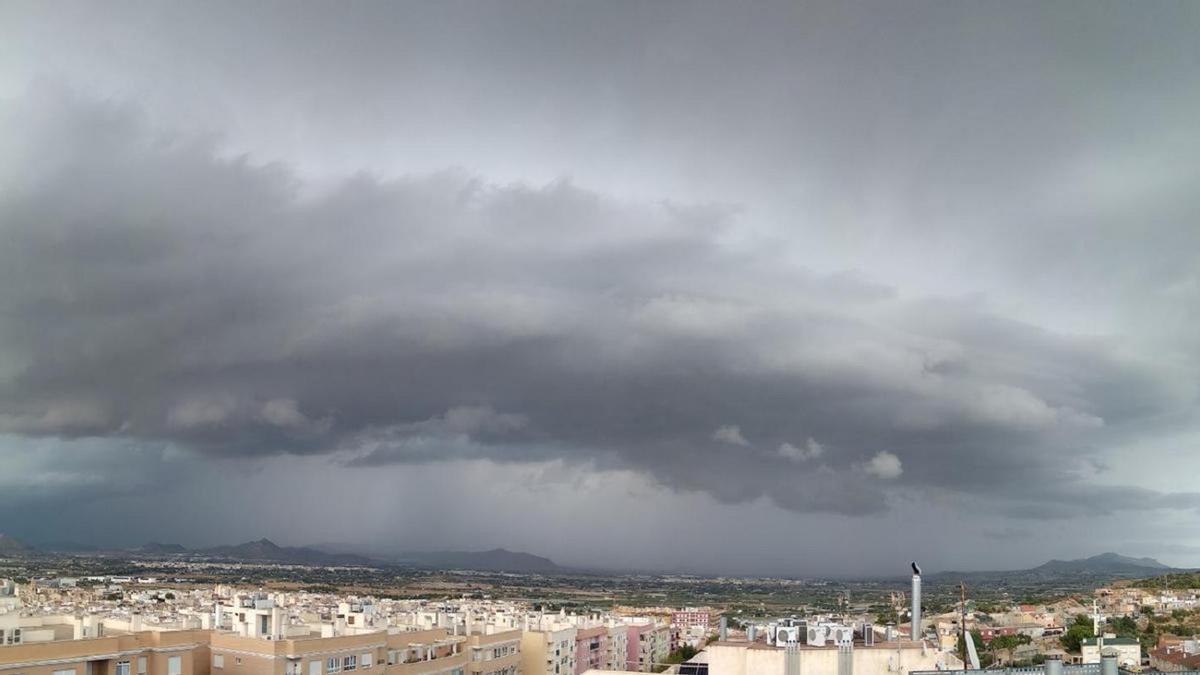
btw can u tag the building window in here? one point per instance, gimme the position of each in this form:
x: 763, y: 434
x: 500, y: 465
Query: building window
x: 69, y: 671
x: 174, y: 665
x: 367, y: 660
x: 218, y: 660
x: 314, y: 668
x: 391, y: 657
x: 141, y: 665
x: 333, y: 665
x: 350, y: 663
x: 122, y: 668
x: 237, y: 660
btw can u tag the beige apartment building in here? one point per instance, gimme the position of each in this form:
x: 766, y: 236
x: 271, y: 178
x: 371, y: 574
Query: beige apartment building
x: 206, y: 652
x: 547, y: 652
x: 145, y: 653
x: 494, y: 654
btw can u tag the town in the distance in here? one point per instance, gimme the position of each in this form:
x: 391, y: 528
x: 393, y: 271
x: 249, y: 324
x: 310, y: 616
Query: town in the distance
x: 262, y: 609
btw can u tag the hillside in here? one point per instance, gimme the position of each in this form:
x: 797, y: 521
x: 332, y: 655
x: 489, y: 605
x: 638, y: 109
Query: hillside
x: 157, y: 548
x: 13, y: 547
x: 495, y: 560
x: 266, y: 550
x: 1099, y: 567
x: 1105, y: 563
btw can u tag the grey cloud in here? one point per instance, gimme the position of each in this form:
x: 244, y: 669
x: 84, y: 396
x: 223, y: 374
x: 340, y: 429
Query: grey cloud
x: 521, y: 234
x: 153, y: 291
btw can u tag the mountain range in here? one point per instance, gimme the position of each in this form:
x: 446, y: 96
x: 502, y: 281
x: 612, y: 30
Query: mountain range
x: 1102, y: 566
x: 265, y: 550
x: 495, y: 560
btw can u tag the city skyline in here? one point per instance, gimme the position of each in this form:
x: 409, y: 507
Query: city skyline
x: 794, y: 289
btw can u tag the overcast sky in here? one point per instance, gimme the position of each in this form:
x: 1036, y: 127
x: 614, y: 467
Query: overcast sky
x: 807, y: 288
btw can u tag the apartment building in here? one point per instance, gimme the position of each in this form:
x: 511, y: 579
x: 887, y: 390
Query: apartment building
x: 144, y: 653
x: 616, y: 650
x: 495, y: 653
x: 591, y: 649
x: 548, y: 652
x: 207, y: 652
x: 649, y: 644
x: 882, y: 658
x: 380, y: 652
x: 699, y: 618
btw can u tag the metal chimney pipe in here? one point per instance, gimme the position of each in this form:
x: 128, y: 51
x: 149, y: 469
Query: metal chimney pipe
x: 724, y: 628
x: 845, y: 660
x: 1108, y: 664
x: 916, y: 602
x: 791, y: 659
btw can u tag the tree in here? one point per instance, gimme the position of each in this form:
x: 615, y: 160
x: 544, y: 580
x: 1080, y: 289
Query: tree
x: 1073, y: 638
x: 682, y: 654
x: 985, y: 657
x: 1124, y: 626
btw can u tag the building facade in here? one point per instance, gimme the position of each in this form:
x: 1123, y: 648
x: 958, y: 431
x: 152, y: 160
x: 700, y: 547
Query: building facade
x: 495, y: 653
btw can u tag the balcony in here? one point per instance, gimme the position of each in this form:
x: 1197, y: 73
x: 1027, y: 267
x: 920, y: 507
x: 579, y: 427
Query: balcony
x: 429, y: 666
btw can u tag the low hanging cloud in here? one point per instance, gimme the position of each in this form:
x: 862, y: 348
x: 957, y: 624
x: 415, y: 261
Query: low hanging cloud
x: 153, y: 290
x: 884, y: 465
x: 730, y: 434
x: 810, y: 450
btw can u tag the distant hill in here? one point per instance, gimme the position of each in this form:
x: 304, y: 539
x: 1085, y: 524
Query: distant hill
x: 1105, y: 563
x: 12, y: 547
x: 495, y: 560
x: 261, y: 550
x: 1103, y: 566
x: 157, y: 548
x: 266, y: 550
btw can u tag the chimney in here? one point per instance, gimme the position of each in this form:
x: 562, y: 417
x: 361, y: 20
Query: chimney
x: 791, y: 659
x: 916, y: 602
x: 1108, y: 663
x: 846, y: 660
x: 724, y: 631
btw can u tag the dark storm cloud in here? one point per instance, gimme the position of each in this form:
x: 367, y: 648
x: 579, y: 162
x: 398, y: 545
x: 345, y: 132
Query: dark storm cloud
x: 907, y: 263
x: 152, y: 291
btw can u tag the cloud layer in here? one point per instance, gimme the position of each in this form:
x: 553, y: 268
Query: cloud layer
x: 831, y: 295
